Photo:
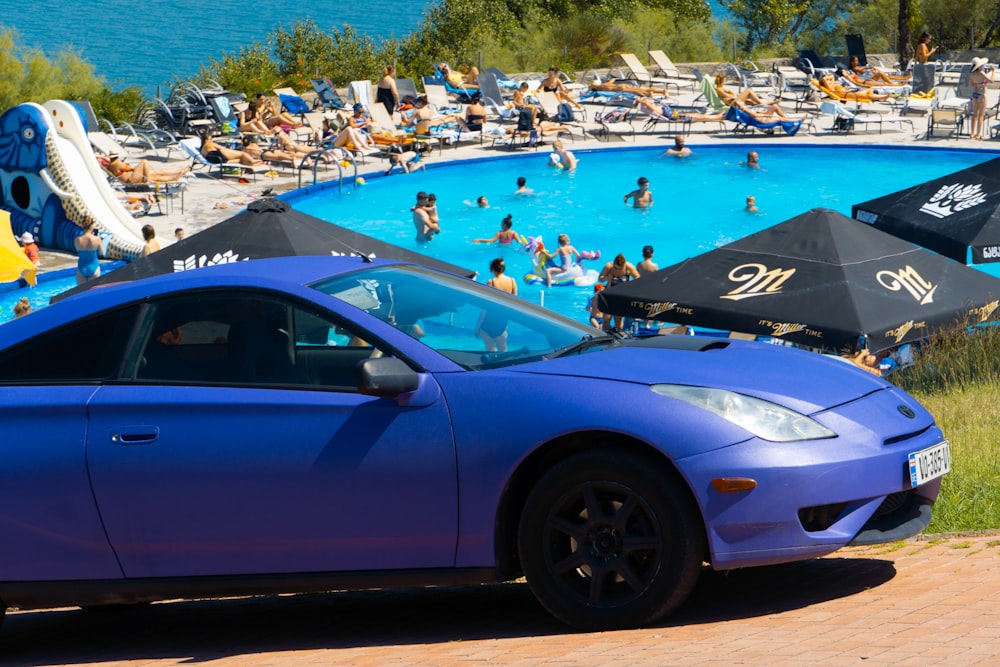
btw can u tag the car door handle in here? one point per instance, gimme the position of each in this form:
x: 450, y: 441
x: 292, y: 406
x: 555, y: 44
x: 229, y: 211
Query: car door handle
x: 135, y: 435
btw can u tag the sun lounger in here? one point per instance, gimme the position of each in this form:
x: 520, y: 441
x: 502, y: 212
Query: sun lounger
x: 745, y: 122
x: 327, y: 94
x: 192, y: 146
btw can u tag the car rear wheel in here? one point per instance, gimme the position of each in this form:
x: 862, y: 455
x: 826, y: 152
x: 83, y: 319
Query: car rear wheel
x: 607, y: 541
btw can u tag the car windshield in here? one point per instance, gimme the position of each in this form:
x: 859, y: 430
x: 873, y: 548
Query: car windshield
x: 475, y: 326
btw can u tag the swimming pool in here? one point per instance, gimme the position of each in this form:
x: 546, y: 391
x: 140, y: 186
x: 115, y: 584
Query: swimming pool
x: 698, y: 203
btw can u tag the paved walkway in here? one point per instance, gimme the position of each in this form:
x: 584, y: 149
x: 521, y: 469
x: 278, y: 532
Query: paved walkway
x: 926, y: 601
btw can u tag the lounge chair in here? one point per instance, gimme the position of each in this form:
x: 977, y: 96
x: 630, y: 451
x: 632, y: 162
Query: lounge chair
x: 639, y: 73
x: 666, y: 69
x: 615, y: 122
x: 745, y: 122
x: 192, y: 146
x: 490, y: 89
x: 292, y: 102
x: 407, y: 88
x: 502, y: 79
x: 950, y: 119
x: 390, y: 137
x: 360, y: 92
x: 437, y: 97
x: 326, y: 94
x: 846, y: 120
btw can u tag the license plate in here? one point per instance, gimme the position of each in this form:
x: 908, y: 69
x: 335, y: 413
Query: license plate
x: 930, y: 463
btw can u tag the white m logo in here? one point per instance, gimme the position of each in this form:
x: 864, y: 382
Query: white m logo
x: 758, y: 281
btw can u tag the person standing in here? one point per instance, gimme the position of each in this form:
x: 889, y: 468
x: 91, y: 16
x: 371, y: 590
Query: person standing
x: 678, y: 149
x: 425, y: 218
x: 647, y: 265
x: 385, y: 89
x: 492, y: 325
x: 979, y: 78
x: 149, y: 235
x: 924, y: 50
x: 88, y: 246
x: 30, y: 247
x: 641, y: 197
x: 615, y: 272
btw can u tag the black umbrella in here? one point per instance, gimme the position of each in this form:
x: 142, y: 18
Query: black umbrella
x: 820, y: 279
x: 267, y: 228
x: 948, y: 215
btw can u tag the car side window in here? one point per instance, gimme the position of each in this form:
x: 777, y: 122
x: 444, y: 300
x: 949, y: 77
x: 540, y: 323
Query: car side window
x: 248, y: 340
x: 90, y: 349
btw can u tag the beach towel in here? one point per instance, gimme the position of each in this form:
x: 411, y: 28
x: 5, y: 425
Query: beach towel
x: 741, y: 117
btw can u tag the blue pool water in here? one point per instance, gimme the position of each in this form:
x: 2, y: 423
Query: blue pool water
x: 698, y: 204
x: 698, y: 201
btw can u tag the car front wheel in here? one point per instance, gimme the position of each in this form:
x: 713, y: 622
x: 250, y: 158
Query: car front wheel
x: 607, y: 541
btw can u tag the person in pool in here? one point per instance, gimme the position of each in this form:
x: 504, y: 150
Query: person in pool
x: 641, y: 197
x: 505, y: 236
x: 564, y: 257
x: 88, y: 246
x: 566, y: 160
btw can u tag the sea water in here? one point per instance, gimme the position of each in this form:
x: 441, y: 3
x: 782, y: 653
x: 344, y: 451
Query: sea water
x: 153, y: 42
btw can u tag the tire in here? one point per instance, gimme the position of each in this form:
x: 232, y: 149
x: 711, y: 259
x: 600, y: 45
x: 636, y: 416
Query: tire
x: 608, y: 542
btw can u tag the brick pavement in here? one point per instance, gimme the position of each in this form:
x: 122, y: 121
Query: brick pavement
x: 926, y: 601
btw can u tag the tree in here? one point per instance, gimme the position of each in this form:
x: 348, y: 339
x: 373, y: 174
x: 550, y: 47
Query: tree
x: 904, y: 46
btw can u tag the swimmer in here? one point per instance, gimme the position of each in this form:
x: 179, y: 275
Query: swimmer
x: 641, y: 197
x: 566, y: 160
x: 564, y: 257
x: 522, y: 187
x: 678, y: 149
x: 426, y: 225
x: 753, y: 161
x: 751, y: 204
x: 505, y: 236
x: 482, y: 202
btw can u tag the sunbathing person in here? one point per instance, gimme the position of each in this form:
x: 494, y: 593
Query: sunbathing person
x: 854, y: 81
x: 662, y: 111
x: 424, y: 118
x: 870, y: 73
x: 217, y: 154
x: 141, y: 173
x: 553, y: 84
x: 263, y: 109
x: 269, y: 154
x: 521, y: 103
x: 347, y: 138
x: 747, y: 98
x: 246, y: 123
x: 828, y: 84
x: 614, y: 87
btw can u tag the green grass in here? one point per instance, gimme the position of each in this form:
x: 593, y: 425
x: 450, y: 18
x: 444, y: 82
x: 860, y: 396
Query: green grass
x: 957, y: 377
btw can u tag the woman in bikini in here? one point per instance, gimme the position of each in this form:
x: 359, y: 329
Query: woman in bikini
x: 141, y: 173
x: 553, y: 84
x: 217, y: 154
x: 979, y: 78
x: 747, y: 98
x: 492, y: 326
x: 505, y: 236
x: 829, y: 85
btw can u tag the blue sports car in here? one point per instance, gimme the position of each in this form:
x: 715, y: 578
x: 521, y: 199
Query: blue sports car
x: 323, y: 423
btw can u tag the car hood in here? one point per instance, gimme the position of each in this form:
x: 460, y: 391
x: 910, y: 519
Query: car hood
x: 804, y: 381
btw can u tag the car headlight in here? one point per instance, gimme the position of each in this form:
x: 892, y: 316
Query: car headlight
x: 764, y: 419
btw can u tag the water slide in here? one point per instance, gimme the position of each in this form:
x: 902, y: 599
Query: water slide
x: 50, y: 181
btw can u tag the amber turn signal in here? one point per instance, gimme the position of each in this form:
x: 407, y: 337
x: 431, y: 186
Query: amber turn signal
x: 733, y: 484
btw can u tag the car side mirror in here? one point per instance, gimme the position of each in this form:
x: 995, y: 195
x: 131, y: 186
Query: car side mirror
x: 386, y: 377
